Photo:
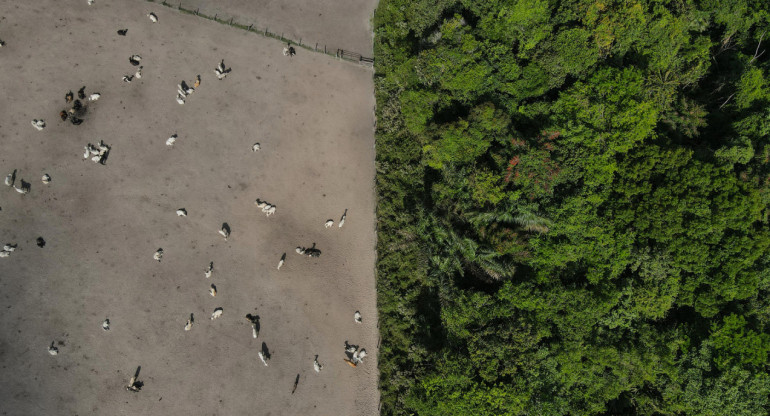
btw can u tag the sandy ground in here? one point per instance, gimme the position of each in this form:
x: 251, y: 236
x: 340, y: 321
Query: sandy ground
x: 339, y: 24
x: 313, y: 116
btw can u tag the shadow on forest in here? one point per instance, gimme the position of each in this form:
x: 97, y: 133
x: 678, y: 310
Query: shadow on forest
x: 430, y: 332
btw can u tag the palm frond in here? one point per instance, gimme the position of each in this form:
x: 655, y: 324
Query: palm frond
x: 526, y: 219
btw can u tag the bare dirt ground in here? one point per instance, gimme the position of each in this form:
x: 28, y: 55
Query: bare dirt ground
x: 339, y: 24
x: 102, y: 224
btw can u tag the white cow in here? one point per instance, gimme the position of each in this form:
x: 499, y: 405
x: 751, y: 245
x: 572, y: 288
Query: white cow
x: 221, y: 71
x: 225, y: 232
x: 38, y: 124
x: 358, y: 356
x: 217, y: 313
x: 23, y: 189
x: 132, y: 386
x: 184, y: 89
x: 90, y: 150
x: 254, y: 321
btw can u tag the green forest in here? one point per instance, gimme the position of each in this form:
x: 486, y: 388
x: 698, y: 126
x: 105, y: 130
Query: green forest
x: 573, y: 207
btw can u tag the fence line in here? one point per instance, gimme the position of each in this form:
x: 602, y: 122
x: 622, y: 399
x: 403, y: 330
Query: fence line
x: 338, y: 53
x: 354, y: 57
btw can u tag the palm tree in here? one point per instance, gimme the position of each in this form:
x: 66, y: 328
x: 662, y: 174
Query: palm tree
x: 524, y: 218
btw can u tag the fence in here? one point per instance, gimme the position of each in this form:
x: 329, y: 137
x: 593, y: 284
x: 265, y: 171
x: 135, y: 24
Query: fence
x: 354, y: 57
x: 337, y: 53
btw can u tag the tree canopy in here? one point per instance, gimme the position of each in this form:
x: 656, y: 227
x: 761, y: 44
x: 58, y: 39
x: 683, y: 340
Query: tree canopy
x: 573, y: 206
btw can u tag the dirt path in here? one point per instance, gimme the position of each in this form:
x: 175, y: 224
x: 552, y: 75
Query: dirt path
x: 312, y: 116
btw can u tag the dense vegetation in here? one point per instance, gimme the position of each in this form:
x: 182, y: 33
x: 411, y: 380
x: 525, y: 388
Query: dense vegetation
x: 573, y: 206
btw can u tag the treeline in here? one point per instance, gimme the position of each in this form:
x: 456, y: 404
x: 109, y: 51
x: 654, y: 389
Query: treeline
x: 573, y: 207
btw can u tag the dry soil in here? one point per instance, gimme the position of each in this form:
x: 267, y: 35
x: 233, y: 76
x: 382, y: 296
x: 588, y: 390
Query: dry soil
x: 336, y: 24
x: 313, y: 117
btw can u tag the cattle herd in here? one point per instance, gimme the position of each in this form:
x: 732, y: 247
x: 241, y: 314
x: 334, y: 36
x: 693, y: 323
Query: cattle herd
x: 76, y: 113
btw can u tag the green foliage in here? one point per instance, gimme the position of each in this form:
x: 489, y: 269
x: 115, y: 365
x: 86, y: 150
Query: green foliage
x: 487, y: 188
x: 573, y: 53
x: 463, y: 141
x: 699, y: 390
x: 741, y: 152
x: 523, y: 23
x: 459, y: 395
x: 751, y: 88
x: 417, y: 109
x: 735, y: 344
x: 573, y: 207
x: 611, y: 104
